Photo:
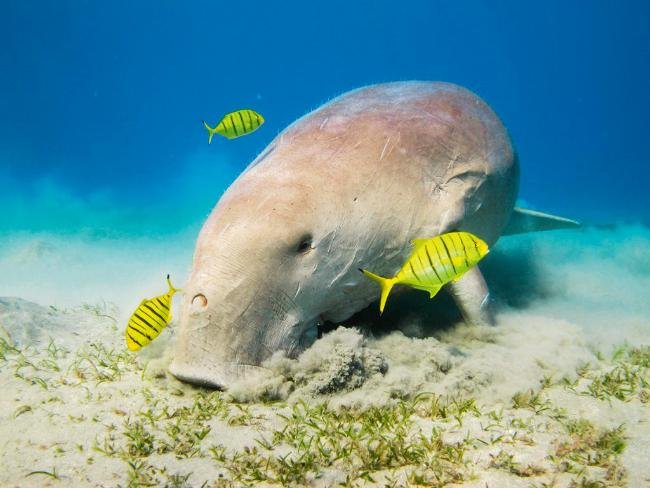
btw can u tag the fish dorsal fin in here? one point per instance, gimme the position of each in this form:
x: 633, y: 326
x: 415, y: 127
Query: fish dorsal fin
x: 523, y: 220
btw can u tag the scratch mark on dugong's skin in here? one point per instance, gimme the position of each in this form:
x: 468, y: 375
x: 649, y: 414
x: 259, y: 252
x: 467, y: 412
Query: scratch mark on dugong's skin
x: 346, y: 186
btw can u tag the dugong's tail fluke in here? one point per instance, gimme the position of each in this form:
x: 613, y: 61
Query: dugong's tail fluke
x: 386, y: 285
x: 211, y: 131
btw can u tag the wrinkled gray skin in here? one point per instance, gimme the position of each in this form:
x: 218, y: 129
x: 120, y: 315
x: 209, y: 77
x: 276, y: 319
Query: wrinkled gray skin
x: 347, y: 186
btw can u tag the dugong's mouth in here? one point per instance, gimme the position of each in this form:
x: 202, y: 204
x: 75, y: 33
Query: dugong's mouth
x: 306, y: 339
x: 212, y: 376
x: 207, y: 371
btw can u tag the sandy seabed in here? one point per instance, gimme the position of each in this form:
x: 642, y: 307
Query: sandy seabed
x: 558, y: 394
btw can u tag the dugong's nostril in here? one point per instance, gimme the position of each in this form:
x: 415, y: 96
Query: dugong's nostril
x: 199, y: 301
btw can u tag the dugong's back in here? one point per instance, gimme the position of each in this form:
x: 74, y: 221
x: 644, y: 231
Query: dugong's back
x: 435, y: 152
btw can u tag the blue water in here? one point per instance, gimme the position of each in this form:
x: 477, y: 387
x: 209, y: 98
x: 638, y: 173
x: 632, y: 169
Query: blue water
x: 101, y: 102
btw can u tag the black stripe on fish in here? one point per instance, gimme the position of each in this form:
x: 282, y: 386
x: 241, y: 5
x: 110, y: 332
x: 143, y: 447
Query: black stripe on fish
x: 234, y: 126
x: 136, y: 326
x: 143, y: 328
x: 426, y: 249
x: 474, y: 246
x: 444, y: 243
x: 440, y: 260
x: 161, y: 311
x: 147, y: 321
x: 137, y: 329
x: 153, y: 311
x: 152, y: 320
x: 462, y: 243
x: 424, y: 268
x: 413, y: 271
x: 462, y: 240
x: 226, y: 127
x: 132, y: 338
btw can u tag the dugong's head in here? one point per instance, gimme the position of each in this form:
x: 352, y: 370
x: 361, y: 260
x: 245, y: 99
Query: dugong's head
x: 345, y: 187
x: 272, y: 261
x: 277, y: 256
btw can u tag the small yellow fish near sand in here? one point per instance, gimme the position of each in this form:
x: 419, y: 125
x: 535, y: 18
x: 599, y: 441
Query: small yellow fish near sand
x: 235, y: 124
x: 433, y: 263
x: 149, y: 319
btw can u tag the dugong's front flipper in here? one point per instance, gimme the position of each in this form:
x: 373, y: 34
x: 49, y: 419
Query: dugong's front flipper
x: 472, y: 296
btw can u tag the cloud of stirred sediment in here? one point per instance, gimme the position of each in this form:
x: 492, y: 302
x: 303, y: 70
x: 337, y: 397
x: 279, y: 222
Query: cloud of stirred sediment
x: 562, y: 296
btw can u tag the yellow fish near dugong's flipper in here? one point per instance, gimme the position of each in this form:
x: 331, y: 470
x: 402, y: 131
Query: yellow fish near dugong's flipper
x: 235, y: 124
x: 434, y: 263
x: 149, y: 319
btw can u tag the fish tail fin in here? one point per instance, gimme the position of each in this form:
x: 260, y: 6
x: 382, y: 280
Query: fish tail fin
x: 172, y: 290
x: 210, y: 130
x: 386, y: 285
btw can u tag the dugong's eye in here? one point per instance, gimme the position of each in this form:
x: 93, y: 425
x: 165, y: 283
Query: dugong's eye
x: 305, y: 244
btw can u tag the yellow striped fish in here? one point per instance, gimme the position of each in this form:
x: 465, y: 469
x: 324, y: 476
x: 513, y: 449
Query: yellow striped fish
x: 235, y: 124
x: 433, y: 263
x: 149, y: 319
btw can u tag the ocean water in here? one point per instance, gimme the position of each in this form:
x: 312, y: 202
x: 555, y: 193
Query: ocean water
x: 101, y: 103
x: 105, y: 171
x: 106, y: 178
x: 106, y: 175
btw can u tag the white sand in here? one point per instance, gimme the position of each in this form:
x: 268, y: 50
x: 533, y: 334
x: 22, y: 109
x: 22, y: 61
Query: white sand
x: 586, y: 293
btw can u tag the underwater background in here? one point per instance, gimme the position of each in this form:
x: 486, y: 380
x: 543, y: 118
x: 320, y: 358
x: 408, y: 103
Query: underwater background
x: 106, y: 177
x: 102, y: 147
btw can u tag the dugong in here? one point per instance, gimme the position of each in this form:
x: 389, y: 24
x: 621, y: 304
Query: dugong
x: 347, y: 186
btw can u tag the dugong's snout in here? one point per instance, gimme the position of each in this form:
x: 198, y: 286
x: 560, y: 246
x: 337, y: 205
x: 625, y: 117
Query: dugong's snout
x: 212, y: 375
x: 223, y: 340
x: 206, y: 361
x: 204, y: 355
x: 214, y: 346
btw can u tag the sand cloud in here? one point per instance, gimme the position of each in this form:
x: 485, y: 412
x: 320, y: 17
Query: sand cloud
x: 562, y: 298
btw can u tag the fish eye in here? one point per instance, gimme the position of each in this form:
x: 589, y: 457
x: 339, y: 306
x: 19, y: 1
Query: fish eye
x: 305, y: 244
